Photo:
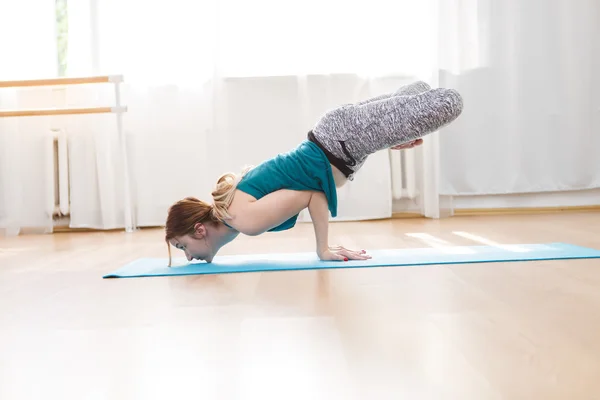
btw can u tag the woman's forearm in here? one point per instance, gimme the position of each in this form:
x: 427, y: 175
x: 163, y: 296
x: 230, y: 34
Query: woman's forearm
x: 319, y: 213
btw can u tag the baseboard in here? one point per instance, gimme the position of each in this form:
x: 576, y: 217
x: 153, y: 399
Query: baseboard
x: 68, y: 229
x: 403, y: 215
x: 525, y: 210
x: 506, y: 211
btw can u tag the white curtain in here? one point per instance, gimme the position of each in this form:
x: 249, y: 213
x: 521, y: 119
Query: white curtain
x: 27, y: 51
x: 528, y: 71
x: 214, y: 85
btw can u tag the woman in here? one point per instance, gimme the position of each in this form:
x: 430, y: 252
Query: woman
x: 269, y: 197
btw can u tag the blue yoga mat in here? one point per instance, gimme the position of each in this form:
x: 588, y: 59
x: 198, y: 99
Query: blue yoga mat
x: 146, y: 267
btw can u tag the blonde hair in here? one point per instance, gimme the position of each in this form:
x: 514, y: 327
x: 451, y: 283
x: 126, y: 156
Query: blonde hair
x: 186, y: 213
x: 223, y: 193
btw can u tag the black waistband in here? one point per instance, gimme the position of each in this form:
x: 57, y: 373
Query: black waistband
x: 337, y: 162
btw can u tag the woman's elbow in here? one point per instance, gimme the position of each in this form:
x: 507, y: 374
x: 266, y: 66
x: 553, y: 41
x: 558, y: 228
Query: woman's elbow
x: 251, y: 230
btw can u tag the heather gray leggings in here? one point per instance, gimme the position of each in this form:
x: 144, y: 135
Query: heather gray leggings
x: 354, y: 131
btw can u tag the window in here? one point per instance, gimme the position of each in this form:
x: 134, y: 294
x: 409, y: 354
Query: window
x: 62, y: 28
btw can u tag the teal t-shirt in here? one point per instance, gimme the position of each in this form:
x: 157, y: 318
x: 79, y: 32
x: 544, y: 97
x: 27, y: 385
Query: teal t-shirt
x: 304, y: 168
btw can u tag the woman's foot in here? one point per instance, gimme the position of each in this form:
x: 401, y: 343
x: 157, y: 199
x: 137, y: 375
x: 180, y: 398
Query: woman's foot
x: 408, y: 145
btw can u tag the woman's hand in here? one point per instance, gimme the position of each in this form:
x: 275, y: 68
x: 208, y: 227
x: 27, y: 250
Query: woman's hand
x: 339, y: 253
x: 319, y: 214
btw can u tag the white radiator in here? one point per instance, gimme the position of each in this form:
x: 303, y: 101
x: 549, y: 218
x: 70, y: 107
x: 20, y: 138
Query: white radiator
x: 57, y: 167
x: 404, y: 176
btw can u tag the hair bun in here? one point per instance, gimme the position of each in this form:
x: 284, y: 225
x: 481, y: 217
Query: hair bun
x: 223, y: 194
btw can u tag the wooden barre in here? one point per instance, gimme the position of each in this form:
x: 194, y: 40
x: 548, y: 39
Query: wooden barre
x: 62, y: 81
x: 61, y: 111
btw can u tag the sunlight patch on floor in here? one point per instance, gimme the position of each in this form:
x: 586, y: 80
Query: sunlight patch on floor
x: 487, y: 242
x: 440, y: 244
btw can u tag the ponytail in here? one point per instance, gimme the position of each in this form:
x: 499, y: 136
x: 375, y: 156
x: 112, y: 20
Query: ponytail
x: 224, y: 192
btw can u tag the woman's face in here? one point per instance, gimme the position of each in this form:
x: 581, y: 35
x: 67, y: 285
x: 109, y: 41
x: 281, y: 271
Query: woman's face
x: 195, y: 246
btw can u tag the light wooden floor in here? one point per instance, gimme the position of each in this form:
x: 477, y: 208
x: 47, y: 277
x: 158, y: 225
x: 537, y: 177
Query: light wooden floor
x: 482, y: 331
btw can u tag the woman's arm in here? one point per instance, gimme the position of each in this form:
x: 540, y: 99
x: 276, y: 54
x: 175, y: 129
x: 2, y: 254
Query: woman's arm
x: 257, y: 217
x: 275, y: 208
x: 319, y: 213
